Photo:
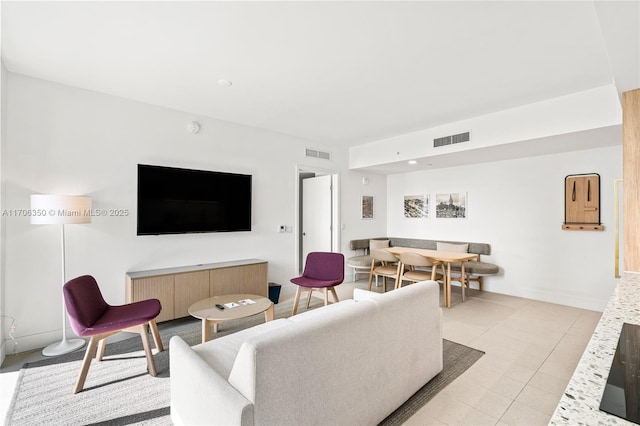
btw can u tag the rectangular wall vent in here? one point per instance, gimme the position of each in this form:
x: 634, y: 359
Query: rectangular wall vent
x: 448, y: 140
x: 442, y: 141
x: 323, y: 155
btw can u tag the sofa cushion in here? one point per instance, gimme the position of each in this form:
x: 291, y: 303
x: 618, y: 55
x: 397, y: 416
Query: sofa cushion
x: 458, y: 248
x: 221, y: 353
x: 307, y: 354
x: 416, y: 318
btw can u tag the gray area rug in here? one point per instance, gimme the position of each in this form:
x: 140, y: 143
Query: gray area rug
x: 118, y: 390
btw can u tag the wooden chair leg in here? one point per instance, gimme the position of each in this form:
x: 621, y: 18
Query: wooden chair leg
x: 462, y: 284
x: 86, y: 363
x: 399, y: 274
x: 156, y: 335
x: 101, y: 344
x: 434, y: 270
x: 371, y: 274
x: 326, y: 297
x: 335, y: 295
x: 296, y: 301
x: 142, y: 330
x: 309, y: 298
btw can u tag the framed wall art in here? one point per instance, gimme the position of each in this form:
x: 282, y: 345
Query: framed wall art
x: 416, y: 206
x: 367, y: 207
x: 451, y: 205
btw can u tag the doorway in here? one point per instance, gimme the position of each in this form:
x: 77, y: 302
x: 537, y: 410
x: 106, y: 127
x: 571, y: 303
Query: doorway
x: 317, y: 216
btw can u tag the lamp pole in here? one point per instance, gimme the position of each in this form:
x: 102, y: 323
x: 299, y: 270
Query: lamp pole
x: 65, y: 346
x: 61, y: 210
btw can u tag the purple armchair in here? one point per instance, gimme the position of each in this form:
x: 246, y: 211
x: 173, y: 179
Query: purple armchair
x: 90, y: 315
x: 322, y: 270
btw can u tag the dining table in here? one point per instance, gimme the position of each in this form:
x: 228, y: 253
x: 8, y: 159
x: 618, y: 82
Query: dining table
x: 447, y: 258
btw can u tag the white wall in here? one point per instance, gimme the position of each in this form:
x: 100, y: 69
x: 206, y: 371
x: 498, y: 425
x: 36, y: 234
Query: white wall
x: 578, y: 112
x: 517, y: 206
x: 3, y: 322
x: 70, y: 141
x: 63, y: 140
x: 354, y: 227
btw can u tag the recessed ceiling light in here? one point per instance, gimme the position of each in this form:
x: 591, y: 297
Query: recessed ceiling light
x: 412, y: 162
x: 224, y: 83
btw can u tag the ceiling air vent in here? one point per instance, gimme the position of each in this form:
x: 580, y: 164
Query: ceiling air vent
x: 323, y: 155
x: 448, y: 140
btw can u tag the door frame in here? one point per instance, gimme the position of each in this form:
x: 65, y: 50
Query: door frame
x: 335, y: 211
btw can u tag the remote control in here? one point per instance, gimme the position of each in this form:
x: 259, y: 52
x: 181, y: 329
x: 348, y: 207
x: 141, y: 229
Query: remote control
x: 219, y: 306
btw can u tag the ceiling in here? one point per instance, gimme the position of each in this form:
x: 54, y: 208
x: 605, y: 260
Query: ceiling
x: 329, y: 72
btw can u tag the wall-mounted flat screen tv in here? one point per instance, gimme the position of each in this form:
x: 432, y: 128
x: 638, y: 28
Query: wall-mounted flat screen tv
x: 179, y: 201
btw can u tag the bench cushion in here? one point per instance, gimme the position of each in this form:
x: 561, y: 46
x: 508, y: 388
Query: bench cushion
x: 477, y: 248
x: 359, y: 261
x: 462, y: 248
x: 363, y: 244
x: 476, y: 268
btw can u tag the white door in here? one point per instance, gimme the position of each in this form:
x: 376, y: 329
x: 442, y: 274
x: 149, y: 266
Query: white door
x: 316, y: 215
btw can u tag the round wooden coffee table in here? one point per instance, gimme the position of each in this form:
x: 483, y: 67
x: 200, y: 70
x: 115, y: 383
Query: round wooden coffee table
x: 236, y: 306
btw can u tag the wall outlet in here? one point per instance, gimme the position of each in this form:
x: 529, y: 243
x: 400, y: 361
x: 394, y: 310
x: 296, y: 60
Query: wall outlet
x: 282, y: 229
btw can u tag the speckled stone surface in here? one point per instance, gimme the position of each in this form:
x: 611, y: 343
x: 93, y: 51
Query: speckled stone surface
x: 581, y: 400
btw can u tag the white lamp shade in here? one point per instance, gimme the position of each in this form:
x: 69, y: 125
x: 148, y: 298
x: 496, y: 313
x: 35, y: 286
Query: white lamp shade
x: 60, y: 209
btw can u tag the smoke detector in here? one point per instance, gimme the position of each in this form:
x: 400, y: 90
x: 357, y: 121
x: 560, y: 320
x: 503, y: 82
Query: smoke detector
x: 193, y: 127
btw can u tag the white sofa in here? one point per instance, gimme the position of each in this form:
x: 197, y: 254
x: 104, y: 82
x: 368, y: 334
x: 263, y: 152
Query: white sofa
x: 349, y: 363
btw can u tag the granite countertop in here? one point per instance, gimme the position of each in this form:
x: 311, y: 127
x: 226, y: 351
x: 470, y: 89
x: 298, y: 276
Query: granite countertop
x: 581, y: 400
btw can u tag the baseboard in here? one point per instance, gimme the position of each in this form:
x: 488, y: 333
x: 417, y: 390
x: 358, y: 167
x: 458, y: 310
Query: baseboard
x: 36, y: 341
x: 555, y: 297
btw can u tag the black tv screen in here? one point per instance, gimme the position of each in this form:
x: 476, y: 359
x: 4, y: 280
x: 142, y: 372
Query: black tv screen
x: 179, y: 201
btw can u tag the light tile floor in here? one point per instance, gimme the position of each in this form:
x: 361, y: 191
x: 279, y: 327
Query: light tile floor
x: 531, y: 349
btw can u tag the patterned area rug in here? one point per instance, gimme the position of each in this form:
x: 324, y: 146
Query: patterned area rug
x: 118, y: 391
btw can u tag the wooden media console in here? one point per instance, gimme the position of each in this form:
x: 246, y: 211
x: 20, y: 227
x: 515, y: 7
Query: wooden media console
x: 180, y: 287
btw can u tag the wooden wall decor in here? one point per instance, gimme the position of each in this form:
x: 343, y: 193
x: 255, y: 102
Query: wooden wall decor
x: 582, y: 202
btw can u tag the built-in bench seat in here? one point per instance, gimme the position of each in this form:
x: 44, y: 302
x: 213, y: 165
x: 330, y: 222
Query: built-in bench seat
x: 474, y: 270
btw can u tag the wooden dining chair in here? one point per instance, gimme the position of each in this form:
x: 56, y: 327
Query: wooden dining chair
x: 383, y: 264
x: 412, y: 260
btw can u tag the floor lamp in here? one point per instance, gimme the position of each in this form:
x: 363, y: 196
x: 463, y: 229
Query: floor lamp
x: 61, y: 210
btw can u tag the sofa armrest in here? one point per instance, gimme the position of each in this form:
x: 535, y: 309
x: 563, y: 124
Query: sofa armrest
x: 199, y: 395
